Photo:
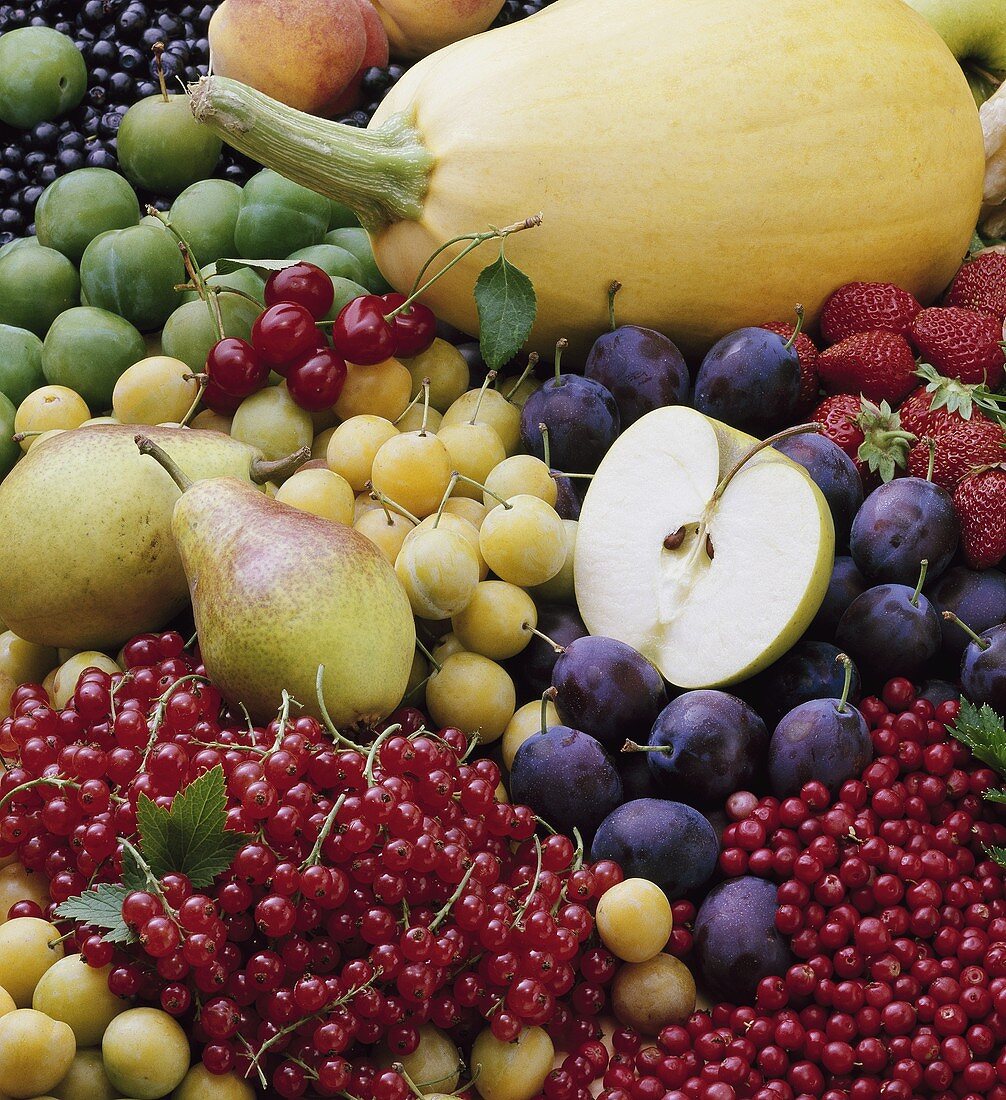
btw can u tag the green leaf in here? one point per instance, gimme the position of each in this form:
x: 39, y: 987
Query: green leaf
x: 190, y: 837
x: 977, y: 245
x: 262, y: 268
x: 102, y: 907
x: 133, y: 875
x: 984, y: 733
x: 994, y: 794
x: 993, y: 851
x: 507, y: 306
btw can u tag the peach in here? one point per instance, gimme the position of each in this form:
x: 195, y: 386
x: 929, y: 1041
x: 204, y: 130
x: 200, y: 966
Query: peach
x: 418, y: 27
x: 301, y: 52
x: 376, y: 53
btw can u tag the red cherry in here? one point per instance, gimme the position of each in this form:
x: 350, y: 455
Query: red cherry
x: 361, y: 334
x: 315, y: 381
x: 415, y: 328
x: 235, y: 367
x: 225, y: 404
x: 283, y: 333
x: 303, y: 283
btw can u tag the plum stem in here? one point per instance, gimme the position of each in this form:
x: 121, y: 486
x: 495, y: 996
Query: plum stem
x: 615, y: 287
x: 546, y: 449
x: 797, y: 329
x: 931, y: 444
x: 982, y: 643
x: 443, y: 500
x: 532, y: 362
x: 545, y: 696
x: 846, y: 664
x: 632, y: 746
x: 560, y: 346
x: 489, y: 379
x: 544, y: 637
x: 478, y: 485
x: 420, y: 393
x: 428, y: 655
x: 797, y: 429
x: 158, y: 51
x: 385, y: 501
x: 923, y: 570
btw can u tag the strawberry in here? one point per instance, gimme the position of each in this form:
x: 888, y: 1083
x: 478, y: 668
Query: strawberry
x: 865, y: 307
x: 879, y: 365
x: 944, y: 403
x: 807, y: 353
x: 961, y: 344
x: 870, y: 435
x: 981, y: 285
x: 959, y: 449
x: 980, y: 503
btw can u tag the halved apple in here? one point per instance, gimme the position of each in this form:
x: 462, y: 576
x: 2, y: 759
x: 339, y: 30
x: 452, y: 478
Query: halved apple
x: 712, y: 584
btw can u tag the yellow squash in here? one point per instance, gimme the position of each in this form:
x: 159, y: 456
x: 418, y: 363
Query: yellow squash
x: 724, y: 159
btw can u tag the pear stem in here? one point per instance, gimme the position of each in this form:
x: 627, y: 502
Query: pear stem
x: 982, y: 643
x: 923, y: 570
x: 264, y: 469
x: 846, y: 664
x: 532, y: 362
x: 615, y: 287
x: 560, y: 346
x: 797, y: 329
x: 147, y: 446
x: 544, y: 637
x: 489, y: 378
x: 761, y: 445
x: 546, y: 448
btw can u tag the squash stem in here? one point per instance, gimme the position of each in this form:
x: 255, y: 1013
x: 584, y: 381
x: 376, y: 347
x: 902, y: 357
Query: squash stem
x: 381, y: 173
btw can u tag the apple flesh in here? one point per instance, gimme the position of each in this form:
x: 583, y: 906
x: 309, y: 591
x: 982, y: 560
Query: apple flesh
x: 704, y: 620
x: 419, y: 27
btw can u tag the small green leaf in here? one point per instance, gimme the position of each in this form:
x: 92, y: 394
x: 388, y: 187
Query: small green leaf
x: 102, y: 907
x: 507, y: 306
x: 984, y: 733
x: 993, y: 851
x: 262, y: 268
x: 977, y: 245
x: 994, y: 794
x: 133, y: 875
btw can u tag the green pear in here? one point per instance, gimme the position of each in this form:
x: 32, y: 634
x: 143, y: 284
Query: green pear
x: 278, y: 593
x: 87, y: 559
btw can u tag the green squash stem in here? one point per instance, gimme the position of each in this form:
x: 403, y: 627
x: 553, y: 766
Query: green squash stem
x: 381, y: 173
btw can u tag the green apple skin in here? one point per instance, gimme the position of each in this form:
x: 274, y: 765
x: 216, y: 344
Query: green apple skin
x: 975, y: 32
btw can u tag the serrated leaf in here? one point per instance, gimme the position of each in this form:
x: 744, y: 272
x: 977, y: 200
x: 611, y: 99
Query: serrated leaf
x: 984, y: 733
x: 507, y: 306
x: 995, y: 794
x: 262, y: 268
x: 102, y: 907
x: 190, y: 838
x: 993, y: 851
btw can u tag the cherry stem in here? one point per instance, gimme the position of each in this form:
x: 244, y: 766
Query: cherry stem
x: 544, y: 637
x: 798, y: 429
x: 203, y: 380
x: 798, y: 328
x: 428, y: 655
x: 487, y: 381
x: 532, y: 362
x: 846, y: 664
x: 478, y: 485
x: 206, y: 292
x: 923, y: 570
x: 147, y: 446
x: 387, y: 502
x: 158, y: 51
x: 560, y: 346
x: 982, y: 643
x: 278, y: 469
x: 615, y: 287
x: 337, y: 737
x: 546, y: 448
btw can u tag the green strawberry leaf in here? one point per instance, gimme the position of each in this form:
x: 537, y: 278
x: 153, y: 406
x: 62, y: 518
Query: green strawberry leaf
x: 190, y: 838
x: 100, y: 906
x: 507, y: 306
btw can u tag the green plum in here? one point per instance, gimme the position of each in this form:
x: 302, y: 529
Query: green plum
x: 189, y: 332
x: 42, y: 75
x: 243, y: 279
x: 332, y: 259
x: 134, y: 272
x: 162, y: 148
x: 357, y: 241
x: 345, y: 291
x: 87, y: 349
x: 18, y: 243
x: 81, y: 205
x: 36, y: 285
x: 10, y: 451
x: 341, y: 216
x: 205, y: 215
x: 278, y: 216
x: 20, y: 363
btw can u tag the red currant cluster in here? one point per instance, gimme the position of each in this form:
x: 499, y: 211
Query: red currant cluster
x: 381, y: 887
x: 898, y: 926
x: 286, y: 338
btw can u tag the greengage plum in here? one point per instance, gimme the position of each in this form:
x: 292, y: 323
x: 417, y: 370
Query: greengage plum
x: 977, y: 596
x: 666, y: 842
x: 736, y: 941
x: 705, y: 745
x: 834, y: 473
x: 567, y: 778
x: 810, y: 670
x: 607, y: 689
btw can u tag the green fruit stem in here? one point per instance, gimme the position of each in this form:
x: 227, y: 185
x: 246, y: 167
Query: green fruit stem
x: 532, y: 362
x: 560, y: 346
x: 615, y: 287
x: 633, y: 746
x: 761, y: 445
x: 923, y: 570
x: 982, y: 643
x: 382, y: 173
x: 545, y: 446
x: 543, y: 720
x: 545, y: 638
x: 846, y: 664
x: 486, y: 383
x: 797, y: 329
x: 147, y: 446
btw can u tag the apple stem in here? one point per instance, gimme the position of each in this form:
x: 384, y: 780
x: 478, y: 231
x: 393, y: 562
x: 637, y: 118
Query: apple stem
x: 489, y: 379
x: 444, y: 499
x: 797, y: 329
x: 264, y: 469
x: 615, y: 287
x: 982, y: 643
x: 924, y: 569
x: 157, y: 50
x: 147, y: 446
x: 798, y: 429
x: 386, y: 502
x: 931, y: 444
x: 544, y: 637
x: 560, y: 346
x: 428, y: 655
x: 545, y: 447
x: 532, y: 362
x: 846, y: 664
x: 632, y: 746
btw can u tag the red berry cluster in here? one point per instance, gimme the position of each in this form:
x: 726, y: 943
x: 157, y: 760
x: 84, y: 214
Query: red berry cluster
x: 286, y: 338
x: 897, y: 921
x: 383, y: 887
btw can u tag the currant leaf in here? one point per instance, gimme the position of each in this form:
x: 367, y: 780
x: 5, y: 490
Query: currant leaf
x: 100, y: 906
x: 984, y: 733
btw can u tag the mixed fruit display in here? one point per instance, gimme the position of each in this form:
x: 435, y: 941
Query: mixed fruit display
x: 432, y: 667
